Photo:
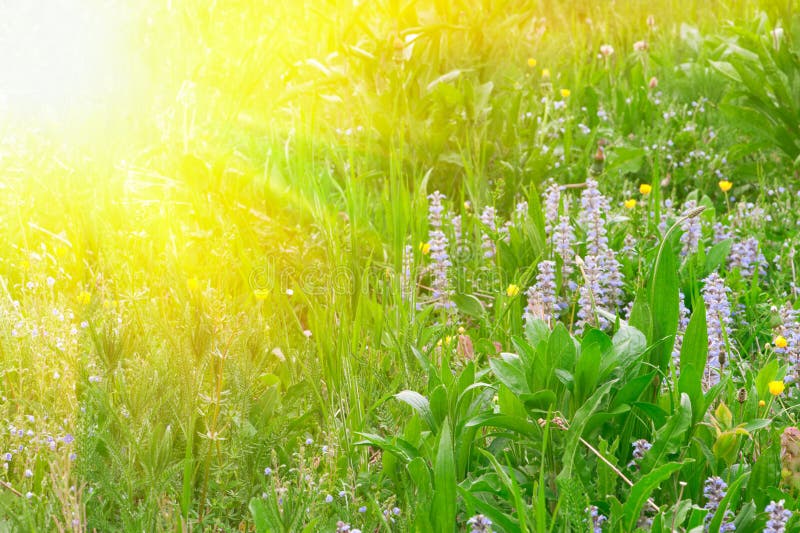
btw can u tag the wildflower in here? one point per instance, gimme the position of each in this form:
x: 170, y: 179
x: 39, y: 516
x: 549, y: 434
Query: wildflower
x: 261, y: 294
x: 714, y: 490
x: 307, y: 333
x: 780, y: 341
x: 778, y: 517
x: 597, y: 520
x: 50, y: 281
x: 480, y: 524
x: 28, y: 472
x: 342, y: 494
x: 362, y: 509
x: 552, y: 197
x: 762, y: 403
x: 606, y: 50
x: 512, y: 290
x: 267, y: 471
x: 328, y: 498
x: 725, y: 185
x: 193, y: 284
x: 425, y: 248
x: 542, y: 295
x: 84, y: 298
x: 396, y: 511
x: 565, y: 93
x: 406, y: 287
x: 683, y: 323
x: 439, y: 255
x: 718, y: 321
x: 776, y: 388
x: 309, y: 441
x: 645, y: 189
x: 342, y: 527
x: 591, y: 293
x: 746, y: 256
x: 640, y: 46
x: 653, y: 83
x: 594, y: 205
x: 692, y: 231
x: 531, y: 62
x: 29, y: 495
x: 546, y: 73
x: 488, y: 219
x: 640, y: 449
x: 630, y: 203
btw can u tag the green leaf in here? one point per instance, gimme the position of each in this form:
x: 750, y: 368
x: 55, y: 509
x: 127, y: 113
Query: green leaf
x: 444, y: 482
x: 694, y: 354
x: 498, y: 518
x: 577, y: 426
x: 260, y: 516
x: 469, y: 305
x: 717, y: 254
x: 511, y: 423
x: 663, y: 297
x: 510, y: 372
x: 421, y: 405
x: 669, y: 438
x: 642, y: 489
x: 587, y: 369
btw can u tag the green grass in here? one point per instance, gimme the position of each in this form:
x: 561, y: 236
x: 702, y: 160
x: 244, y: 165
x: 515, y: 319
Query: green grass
x: 203, y: 280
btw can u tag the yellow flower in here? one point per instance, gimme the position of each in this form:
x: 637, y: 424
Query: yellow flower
x: 725, y: 185
x: 565, y: 93
x: 261, y: 294
x: 193, y: 284
x: 762, y: 403
x: 630, y: 204
x: 512, y: 290
x: 776, y: 387
x: 461, y: 330
x: 425, y: 248
x: 545, y: 72
x: 531, y: 62
x: 84, y: 298
x: 780, y: 341
x: 645, y: 188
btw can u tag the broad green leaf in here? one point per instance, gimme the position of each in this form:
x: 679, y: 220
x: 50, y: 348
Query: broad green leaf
x: 577, y: 425
x: 444, y: 482
x: 421, y: 405
x: 642, y: 489
x: 694, y: 353
x: 511, y: 373
x: 669, y: 438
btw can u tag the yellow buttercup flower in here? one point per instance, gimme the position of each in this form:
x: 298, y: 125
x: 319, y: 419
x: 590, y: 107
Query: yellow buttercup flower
x: 725, y: 185
x: 512, y: 290
x: 565, y: 93
x: 261, y: 294
x: 762, y: 403
x: 630, y: 204
x: 780, y: 341
x: 531, y: 62
x: 84, y: 298
x: 425, y: 248
x: 645, y: 188
x: 776, y: 388
x: 193, y: 284
x: 545, y: 72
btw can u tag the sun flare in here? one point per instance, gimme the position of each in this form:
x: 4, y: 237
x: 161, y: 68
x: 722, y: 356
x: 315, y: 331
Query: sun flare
x: 54, y: 54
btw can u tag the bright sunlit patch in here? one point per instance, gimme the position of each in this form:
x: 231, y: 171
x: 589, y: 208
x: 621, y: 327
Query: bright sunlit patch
x: 55, y: 55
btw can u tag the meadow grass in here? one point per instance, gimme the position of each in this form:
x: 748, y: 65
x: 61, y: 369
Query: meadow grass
x: 219, y: 295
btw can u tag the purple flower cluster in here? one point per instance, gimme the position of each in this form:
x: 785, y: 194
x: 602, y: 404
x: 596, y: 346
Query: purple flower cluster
x: 692, y: 230
x: 542, y: 295
x: 488, y: 219
x: 718, y: 319
x: 593, y: 207
x: 778, y: 517
x: 480, y: 524
x: 596, y: 519
x: 591, y: 293
x: 790, y: 330
x: 552, y: 197
x: 683, y: 323
x: 564, y: 244
x: 746, y: 256
x: 406, y: 283
x: 439, y: 255
x: 714, y: 490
